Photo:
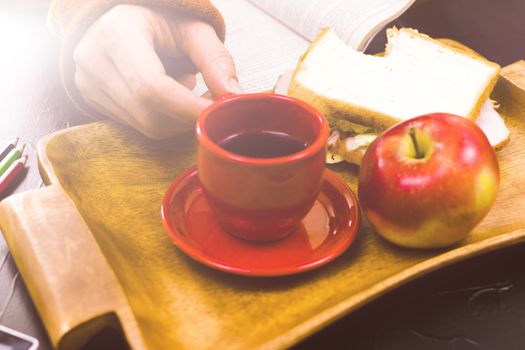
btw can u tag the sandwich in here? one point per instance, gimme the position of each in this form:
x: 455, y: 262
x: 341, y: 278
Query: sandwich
x: 362, y: 95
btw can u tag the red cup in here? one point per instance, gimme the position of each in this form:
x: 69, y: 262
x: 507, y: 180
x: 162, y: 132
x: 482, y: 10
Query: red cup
x: 255, y: 198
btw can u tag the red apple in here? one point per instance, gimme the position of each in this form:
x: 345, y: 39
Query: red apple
x: 428, y: 181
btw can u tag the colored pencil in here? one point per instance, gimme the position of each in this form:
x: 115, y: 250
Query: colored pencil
x: 13, y: 155
x: 4, y: 151
x: 14, y: 170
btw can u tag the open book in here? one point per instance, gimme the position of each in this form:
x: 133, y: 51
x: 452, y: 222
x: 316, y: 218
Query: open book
x: 270, y: 35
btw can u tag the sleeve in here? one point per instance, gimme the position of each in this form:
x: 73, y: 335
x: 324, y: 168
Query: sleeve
x: 70, y: 19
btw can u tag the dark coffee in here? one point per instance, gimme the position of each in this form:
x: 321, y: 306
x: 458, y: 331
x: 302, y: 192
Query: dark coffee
x: 262, y: 144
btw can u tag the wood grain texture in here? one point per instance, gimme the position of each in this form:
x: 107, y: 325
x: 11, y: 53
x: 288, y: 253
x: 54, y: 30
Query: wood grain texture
x: 116, y: 179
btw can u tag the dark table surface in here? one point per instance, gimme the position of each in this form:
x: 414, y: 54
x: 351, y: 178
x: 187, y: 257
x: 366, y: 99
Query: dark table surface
x: 475, y: 304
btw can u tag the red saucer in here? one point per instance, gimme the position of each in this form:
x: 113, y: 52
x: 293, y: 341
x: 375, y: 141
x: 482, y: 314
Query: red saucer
x: 326, y: 232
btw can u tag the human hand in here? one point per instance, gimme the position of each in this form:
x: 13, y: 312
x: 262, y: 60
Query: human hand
x: 119, y: 72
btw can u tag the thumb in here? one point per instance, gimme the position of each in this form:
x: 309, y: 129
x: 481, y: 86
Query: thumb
x: 219, y: 73
x: 211, y: 58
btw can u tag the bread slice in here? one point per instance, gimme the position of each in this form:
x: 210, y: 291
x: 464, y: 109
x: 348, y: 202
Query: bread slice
x: 417, y: 75
x: 493, y: 125
x: 352, y: 148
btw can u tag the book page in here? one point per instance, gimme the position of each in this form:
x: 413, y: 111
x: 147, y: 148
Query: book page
x: 262, y: 47
x: 355, y: 21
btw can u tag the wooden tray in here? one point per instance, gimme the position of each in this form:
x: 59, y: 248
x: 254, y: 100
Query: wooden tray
x: 93, y: 253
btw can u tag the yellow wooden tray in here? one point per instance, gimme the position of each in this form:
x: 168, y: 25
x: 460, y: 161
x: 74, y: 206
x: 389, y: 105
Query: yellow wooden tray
x: 93, y: 252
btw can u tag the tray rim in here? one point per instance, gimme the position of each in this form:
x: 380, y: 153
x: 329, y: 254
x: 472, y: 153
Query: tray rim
x: 339, y: 310
x: 303, y: 329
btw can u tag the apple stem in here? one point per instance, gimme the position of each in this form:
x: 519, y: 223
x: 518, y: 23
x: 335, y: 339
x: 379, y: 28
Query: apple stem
x: 412, y: 133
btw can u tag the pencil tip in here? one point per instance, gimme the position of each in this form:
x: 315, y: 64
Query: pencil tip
x: 23, y: 159
x: 15, y: 141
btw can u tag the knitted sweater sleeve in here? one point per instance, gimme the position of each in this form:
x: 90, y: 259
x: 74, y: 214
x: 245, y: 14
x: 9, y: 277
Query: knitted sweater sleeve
x: 70, y: 19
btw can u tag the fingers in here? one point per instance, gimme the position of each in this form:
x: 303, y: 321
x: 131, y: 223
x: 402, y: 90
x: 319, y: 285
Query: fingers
x: 118, y: 104
x: 120, y: 74
x: 100, y: 99
x: 189, y: 81
x: 200, y: 42
x: 207, y: 95
x: 175, y: 66
x: 144, y: 74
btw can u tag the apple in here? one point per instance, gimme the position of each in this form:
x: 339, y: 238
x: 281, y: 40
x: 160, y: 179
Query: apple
x: 428, y: 181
